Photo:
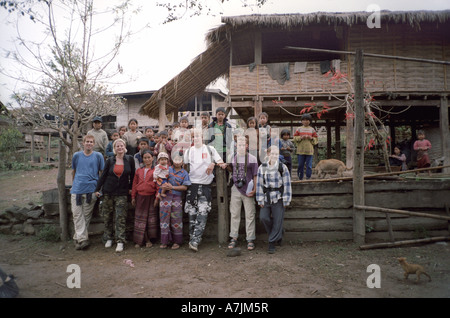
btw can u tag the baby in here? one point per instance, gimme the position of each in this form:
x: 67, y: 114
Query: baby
x: 161, y: 173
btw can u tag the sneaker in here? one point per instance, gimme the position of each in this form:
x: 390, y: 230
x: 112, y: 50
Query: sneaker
x: 193, y: 246
x: 119, y: 247
x: 271, y: 249
x: 108, y: 243
x: 82, y: 245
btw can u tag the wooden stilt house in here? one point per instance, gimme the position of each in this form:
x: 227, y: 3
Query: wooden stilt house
x: 266, y: 71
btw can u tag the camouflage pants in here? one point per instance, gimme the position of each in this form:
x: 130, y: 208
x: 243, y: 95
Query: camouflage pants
x: 198, y: 211
x: 114, y: 212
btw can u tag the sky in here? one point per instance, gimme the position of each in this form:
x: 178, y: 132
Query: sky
x: 157, y: 53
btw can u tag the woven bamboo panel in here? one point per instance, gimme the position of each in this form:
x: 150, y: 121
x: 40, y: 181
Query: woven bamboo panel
x: 259, y: 82
x: 396, y: 75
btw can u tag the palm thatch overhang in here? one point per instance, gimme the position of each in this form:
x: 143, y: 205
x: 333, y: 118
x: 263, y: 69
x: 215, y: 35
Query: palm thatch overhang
x: 215, y: 61
x: 203, y: 70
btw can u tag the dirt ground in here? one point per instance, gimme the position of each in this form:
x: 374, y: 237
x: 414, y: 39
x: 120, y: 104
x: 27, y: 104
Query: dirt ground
x: 296, y: 270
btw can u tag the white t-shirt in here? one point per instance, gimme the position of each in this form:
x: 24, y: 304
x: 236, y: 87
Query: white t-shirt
x: 199, y: 160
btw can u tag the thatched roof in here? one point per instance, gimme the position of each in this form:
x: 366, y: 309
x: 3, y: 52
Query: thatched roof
x: 290, y: 21
x: 215, y: 61
x: 204, y: 69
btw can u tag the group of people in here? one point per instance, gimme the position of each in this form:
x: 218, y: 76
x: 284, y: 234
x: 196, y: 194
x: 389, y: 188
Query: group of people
x: 165, y: 173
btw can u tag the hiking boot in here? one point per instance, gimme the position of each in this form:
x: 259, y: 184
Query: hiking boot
x: 271, y: 249
x: 83, y: 245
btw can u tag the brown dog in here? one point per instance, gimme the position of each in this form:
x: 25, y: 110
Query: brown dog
x: 412, y: 269
x: 330, y: 166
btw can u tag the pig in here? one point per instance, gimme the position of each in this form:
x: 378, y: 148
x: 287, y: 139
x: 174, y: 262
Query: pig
x: 330, y: 166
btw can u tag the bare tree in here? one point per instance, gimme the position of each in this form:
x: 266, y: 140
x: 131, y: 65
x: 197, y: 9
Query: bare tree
x: 179, y: 9
x: 73, y: 76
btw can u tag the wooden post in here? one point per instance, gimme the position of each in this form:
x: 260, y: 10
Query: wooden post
x: 32, y: 146
x: 337, y: 136
x: 349, y: 142
x: 258, y: 106
x: 162, y: 113
x: 49, y: 147
x: 62, y: 198
x: 328, y: 125
x: 223, y: 222
x: 445, y: 133
x: 359, y: 230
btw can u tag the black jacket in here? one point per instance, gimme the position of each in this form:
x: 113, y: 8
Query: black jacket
x: 110, y: 183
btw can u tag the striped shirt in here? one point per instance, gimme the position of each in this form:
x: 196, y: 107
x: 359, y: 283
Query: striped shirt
x: 305, y: 146
x: 269, y: 177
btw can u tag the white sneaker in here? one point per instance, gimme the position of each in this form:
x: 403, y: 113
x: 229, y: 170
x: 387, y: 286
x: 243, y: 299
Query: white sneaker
x: 119, y: 247
x: 108, y: 243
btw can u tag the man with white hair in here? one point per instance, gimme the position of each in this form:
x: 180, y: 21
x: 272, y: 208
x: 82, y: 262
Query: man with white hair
x: 201, y: 160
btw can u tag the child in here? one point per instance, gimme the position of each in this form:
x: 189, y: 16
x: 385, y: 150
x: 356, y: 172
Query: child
x: 122, y: 131
x: 142, y: 198
x: 181, y: 137
x: 143, y: 145
x: 171, y: 206
x: 273, y: 194
x: 252, y: 132
x: 286, y: 148
x: 220, y: 132
x: 132, y: 136
x: 161, y: 173
x: 101, y: 137
x: 109, y: 149
x: 422, y: 146
x: 264, y: 133
x: 243, y: 168
x: 164, y: 145
x: 205, y: 122
x: 305, y: 138
x: 178, y: 133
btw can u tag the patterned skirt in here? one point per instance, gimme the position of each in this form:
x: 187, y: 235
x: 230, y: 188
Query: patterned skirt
x: 171, y: 219
x: 145, y: 219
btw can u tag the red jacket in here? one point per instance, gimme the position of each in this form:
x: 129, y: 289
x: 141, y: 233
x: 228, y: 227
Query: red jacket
x: 141, y: 186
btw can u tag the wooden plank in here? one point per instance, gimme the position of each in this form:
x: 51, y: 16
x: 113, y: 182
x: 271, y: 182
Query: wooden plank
x: 316, y: 236
x: 323, y: 201
x: 407, y: 224
x: 313, y: 225
x: 399, y: 200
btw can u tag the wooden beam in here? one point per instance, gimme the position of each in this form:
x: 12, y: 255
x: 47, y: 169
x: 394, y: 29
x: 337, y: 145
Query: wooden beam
x: 406, y: 242
x: 359, y: 230
x: 386, y: 210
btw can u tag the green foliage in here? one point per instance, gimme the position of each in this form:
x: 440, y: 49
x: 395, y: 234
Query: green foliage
x: 10, y: 139
x: 48, y: 233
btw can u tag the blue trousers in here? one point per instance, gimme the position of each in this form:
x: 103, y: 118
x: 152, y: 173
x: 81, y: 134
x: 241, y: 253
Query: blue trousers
x: 304, y: 160
x: 271, y: 216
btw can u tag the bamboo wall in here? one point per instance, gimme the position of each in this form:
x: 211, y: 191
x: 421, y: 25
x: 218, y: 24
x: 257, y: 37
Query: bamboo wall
x: 380, y: 75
